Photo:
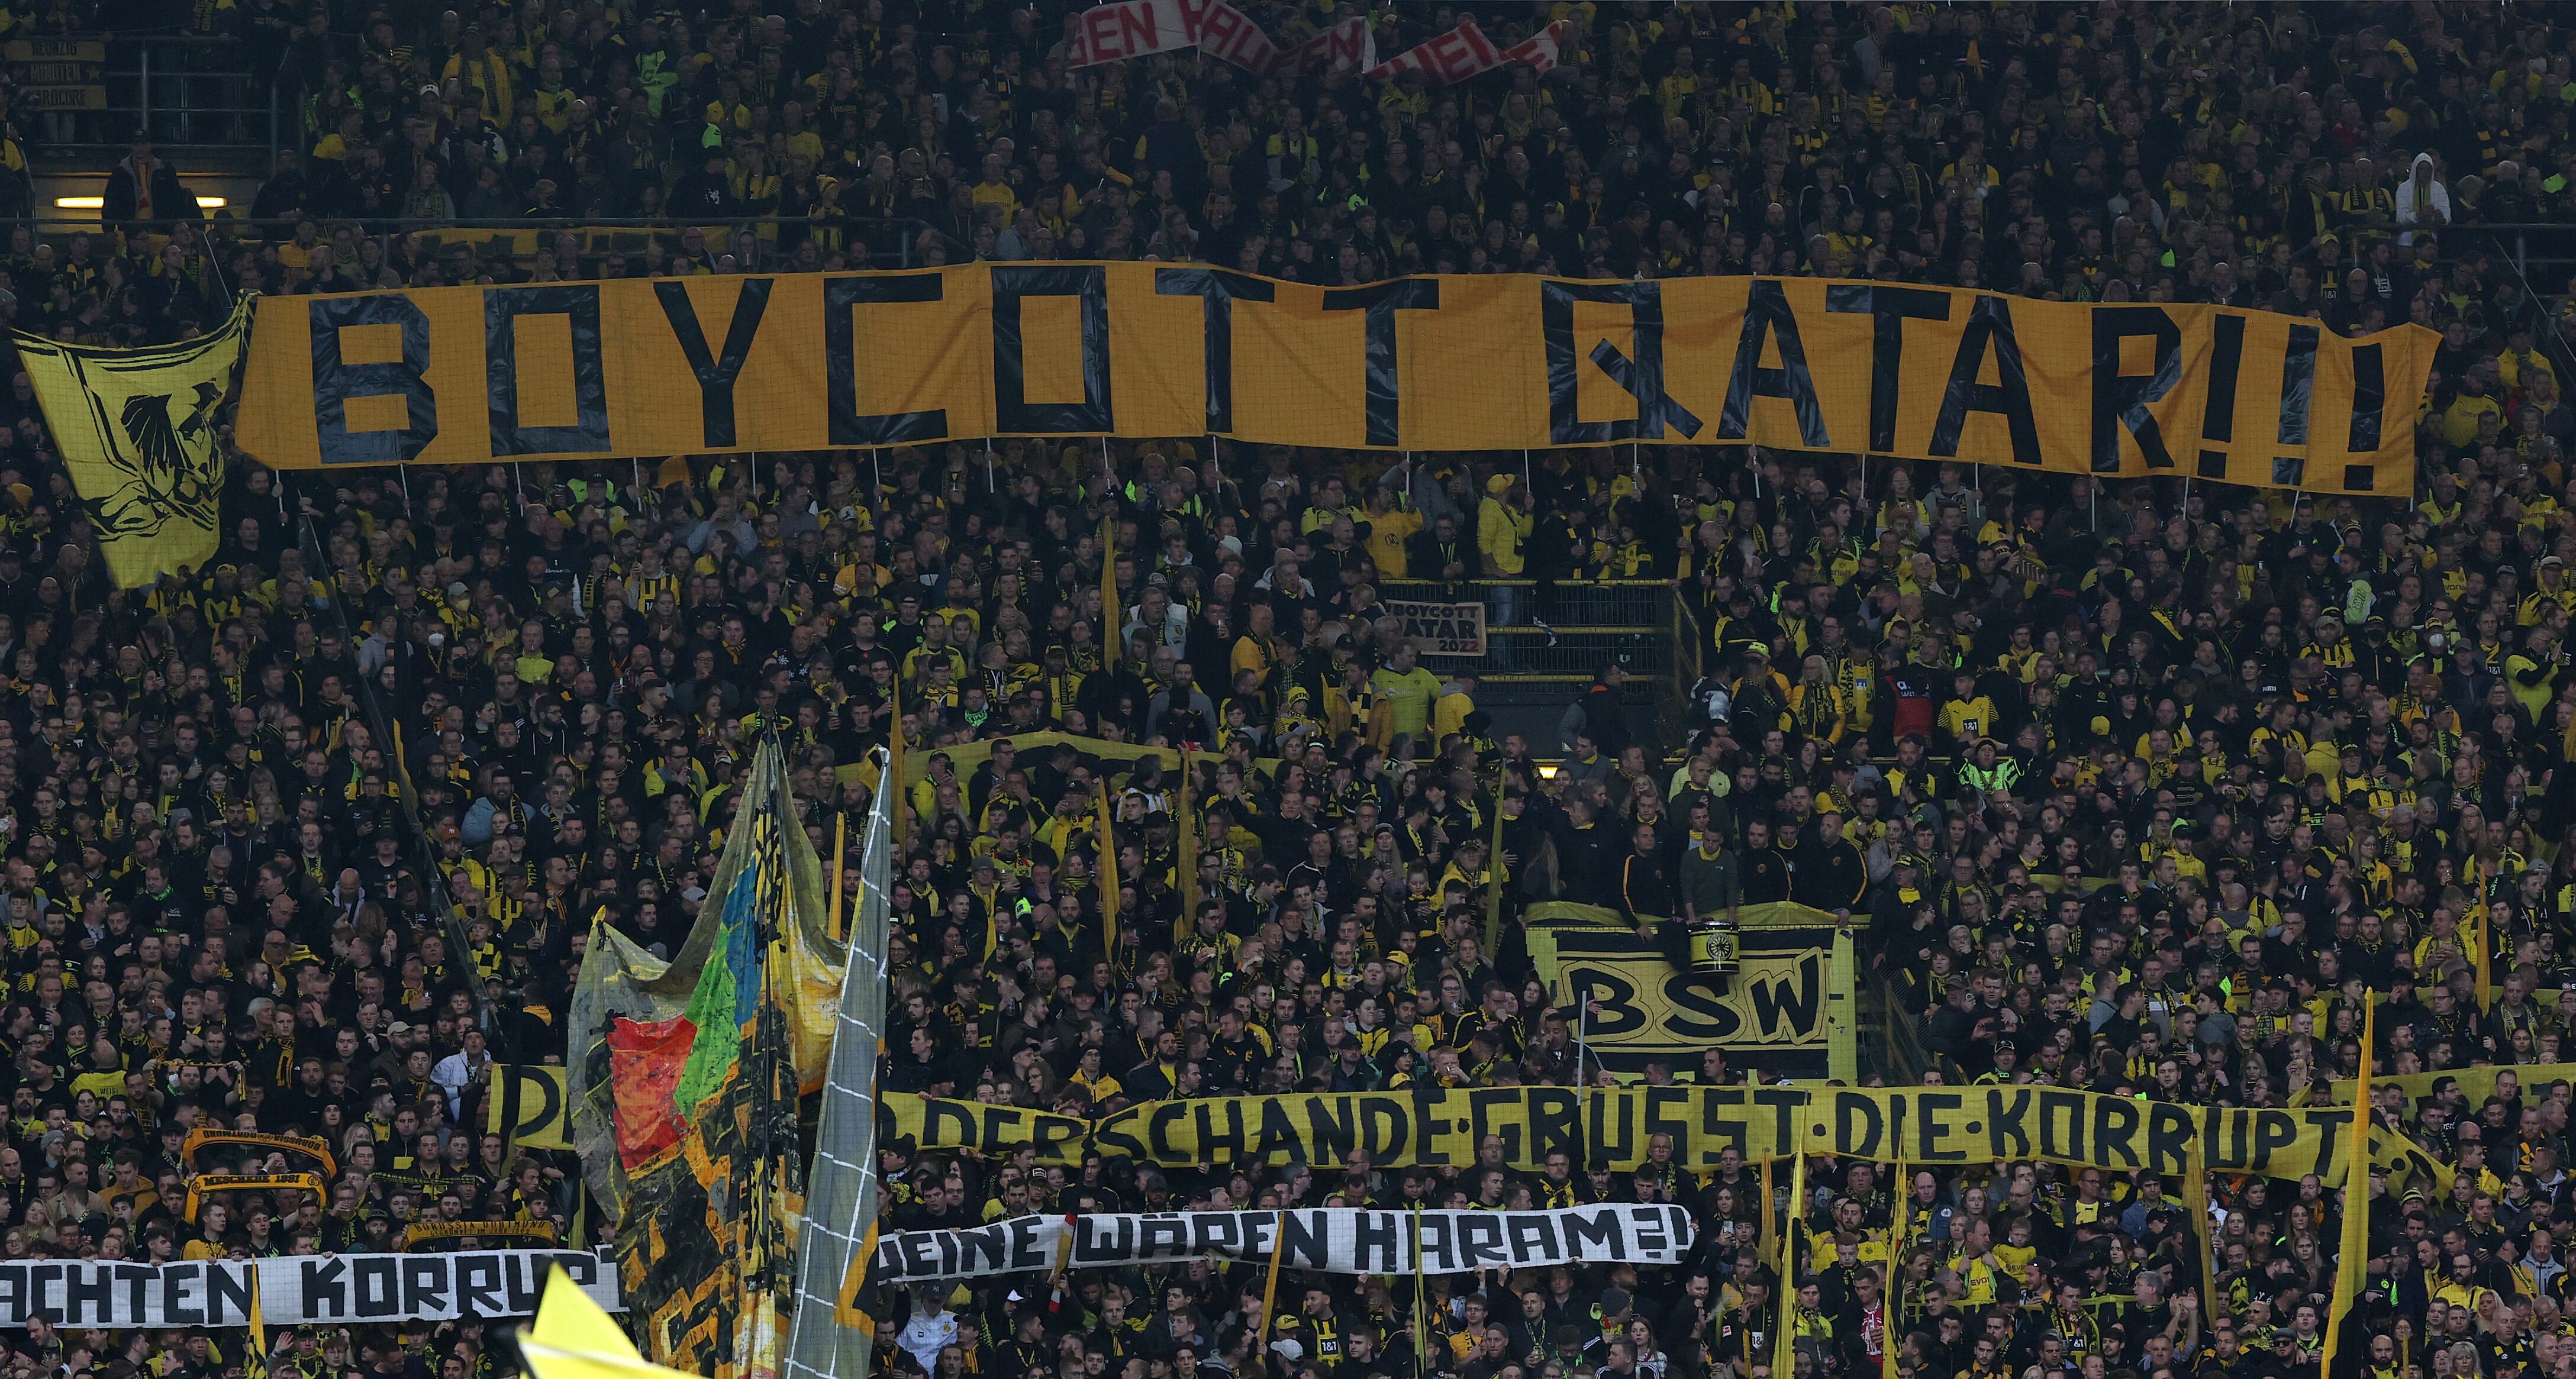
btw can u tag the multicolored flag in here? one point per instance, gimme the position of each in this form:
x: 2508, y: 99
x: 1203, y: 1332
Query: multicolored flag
x: 684, y: 1092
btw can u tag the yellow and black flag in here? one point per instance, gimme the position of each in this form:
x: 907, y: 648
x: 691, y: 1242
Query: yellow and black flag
x: 138, y: 434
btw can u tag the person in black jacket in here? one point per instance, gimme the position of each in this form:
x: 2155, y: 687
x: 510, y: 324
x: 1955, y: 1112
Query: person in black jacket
x: 143, y: 191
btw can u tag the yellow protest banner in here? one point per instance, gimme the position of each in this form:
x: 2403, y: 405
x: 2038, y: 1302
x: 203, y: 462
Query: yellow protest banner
x: 1642, y: 1009
x: 2477, y: 1084
x: 585, y: 370
x: 527, y: 1106
x: 137, y: 430
x: 1925, y: 1126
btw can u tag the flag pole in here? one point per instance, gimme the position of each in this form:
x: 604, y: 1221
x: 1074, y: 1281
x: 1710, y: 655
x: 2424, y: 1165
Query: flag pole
x: 2352, y: 1261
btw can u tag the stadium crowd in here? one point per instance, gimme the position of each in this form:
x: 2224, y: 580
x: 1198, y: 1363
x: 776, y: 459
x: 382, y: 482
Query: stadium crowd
x: 2132, y: 788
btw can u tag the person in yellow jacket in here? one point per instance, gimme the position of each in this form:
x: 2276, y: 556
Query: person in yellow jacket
x: 1503, y: 524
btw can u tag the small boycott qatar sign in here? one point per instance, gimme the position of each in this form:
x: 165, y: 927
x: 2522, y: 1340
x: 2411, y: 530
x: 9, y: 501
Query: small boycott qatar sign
x: 1441, y: 629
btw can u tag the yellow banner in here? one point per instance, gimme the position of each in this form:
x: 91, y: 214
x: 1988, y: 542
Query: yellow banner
x: 137, y: 429
x: 648, y: 367
x: 527, y: 1106
x: 1774, y: 1004
x: 2477, y: 1084
x: 1600, y: 1126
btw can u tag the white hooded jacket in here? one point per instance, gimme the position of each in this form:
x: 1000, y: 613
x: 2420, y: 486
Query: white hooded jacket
x: 2422, y: 200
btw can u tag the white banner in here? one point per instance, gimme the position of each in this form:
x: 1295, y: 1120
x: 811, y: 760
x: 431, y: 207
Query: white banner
x: 295, y: 1290
x: 1341, y: 1240
x: 1441, y: 629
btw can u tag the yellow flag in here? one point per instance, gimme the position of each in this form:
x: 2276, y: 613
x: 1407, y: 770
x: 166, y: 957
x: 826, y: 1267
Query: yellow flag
x: 1111, y: 614
x: 2352, y: 1262
x: 573, y: 1339
x: 255, y: 1364
x: 137, y: 430
x: 1108, y: 879
x: 1787, y: 1360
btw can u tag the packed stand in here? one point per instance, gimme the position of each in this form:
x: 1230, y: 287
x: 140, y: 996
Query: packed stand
x: 2128, y: 788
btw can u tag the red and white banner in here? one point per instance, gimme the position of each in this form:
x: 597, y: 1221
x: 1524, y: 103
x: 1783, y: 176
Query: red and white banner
x: 1128, y: 29
x: 1464, y: 52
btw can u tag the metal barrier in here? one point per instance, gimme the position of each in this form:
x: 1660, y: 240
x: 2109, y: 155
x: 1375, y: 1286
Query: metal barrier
x: 187, y: 91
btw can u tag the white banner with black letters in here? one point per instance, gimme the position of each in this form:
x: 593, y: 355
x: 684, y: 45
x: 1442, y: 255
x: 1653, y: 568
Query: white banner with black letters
x: 294, y: 1290
x: 1341, y: 1240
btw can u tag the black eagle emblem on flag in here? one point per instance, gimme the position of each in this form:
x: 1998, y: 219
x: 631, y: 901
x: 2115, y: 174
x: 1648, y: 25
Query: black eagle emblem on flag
x: 167, y: 464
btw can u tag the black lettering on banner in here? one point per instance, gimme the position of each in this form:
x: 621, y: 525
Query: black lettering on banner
x: 984, y: 1247
x: 336, y: 382
x: 1001, y: 1124
x: 1111, y: 1133
x: 1698, y: 1014
x: 1220, y: 1146
x: 1785, y: 1103
x: 715, y: 372
x: 1857, y: 1126
x: 2120, y: 400
x: 1597, y: 1226
x: 1303, y: 1244
x: 1162, y: 1235
x: 2230, y: 1136
x: 1767, y: 317
x: 1889, y: 309
x: 478, y: 1285
x: 1217, y: 291
x: 1989, y: 328
x: 524, y: 1280
x: 1218, y: 1233
x: 2170, y: 1132
x: 1718, y: 1131
x: 2369, y: 399
x: 1932, y: 1116
x: 1092, y: 1246
x: 1377, y: 1244
x: 1332, y: 1120
x: 844, y: 423
x: 1158, y: 1132
x: 1378, y: 303
x: 2218, y: 416
x: 87, y: 1285
x: 1556, y: 1124
x: 920, y: 1256
x: 1049, y: 1132
x: 1641, y: 378
x: 2298, y: 394
x: 1385, y: 1132
x: 178, y: 1304
x: 1278, y: 1135
x: 936, y: 1114
x: 375, y: 1287
x: 2116, y: 1120
x: 230, y: 1287
x: 1611, y: 1129
x: 137, y: 1279
x: 425, y: 1286
x: 1533, y: 1238
x: 2273, y: 1131
x: 325, y: 1287
x: 503, y: 307
x: 2329, y: 1127
x: 1646, y: 1228
x: 2061, y: 1125
x: 2007, y: 1136
x: 1437, y: 1252
x: 1427, y: 1103
x: 1507, y: 1126
x: 2369, y: 404
x: 1026, y: 1251
x: 1620, y: 1012
x: 1480, y: 1239
x: 13, y: 1294
x: 1013, y: 413
x: 1677, y: 1128
x: 39, y: 1305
